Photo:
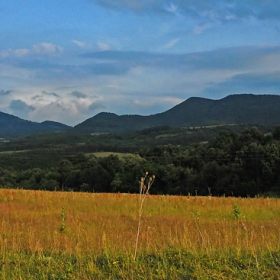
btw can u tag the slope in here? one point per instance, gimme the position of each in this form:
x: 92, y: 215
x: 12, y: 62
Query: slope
x: 195, y: 111
x: 13, y: 127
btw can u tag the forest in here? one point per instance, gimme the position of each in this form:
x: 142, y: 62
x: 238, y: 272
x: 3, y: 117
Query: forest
x: 232, y: 163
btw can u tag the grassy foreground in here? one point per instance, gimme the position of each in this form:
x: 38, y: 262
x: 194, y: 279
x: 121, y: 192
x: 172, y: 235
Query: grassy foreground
x: 53, y: 235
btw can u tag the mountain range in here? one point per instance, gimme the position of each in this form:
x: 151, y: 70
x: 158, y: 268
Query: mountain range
x: 13, y: 127
x: 195, y: 111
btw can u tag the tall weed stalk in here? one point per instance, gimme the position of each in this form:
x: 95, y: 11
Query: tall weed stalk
x: 145, y: 185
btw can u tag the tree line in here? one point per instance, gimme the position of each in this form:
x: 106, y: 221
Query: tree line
x: 244, y: 164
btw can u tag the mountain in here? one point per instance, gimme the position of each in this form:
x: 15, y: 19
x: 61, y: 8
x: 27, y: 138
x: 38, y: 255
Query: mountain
x: 241, y: 109
x: 13, y: 127
x: 195, y: 111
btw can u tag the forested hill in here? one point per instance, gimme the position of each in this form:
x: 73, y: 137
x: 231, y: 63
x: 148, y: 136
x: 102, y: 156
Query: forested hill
x: 233, y: 109
x: 12, y: 126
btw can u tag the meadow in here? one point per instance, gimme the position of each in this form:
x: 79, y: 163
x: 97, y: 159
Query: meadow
x: 67, y: 235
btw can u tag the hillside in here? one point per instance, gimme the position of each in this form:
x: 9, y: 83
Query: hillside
x: 195, y: 111
x: 13, y: 127
x: 245, y: 109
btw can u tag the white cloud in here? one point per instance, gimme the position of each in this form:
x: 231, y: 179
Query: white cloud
x: 68, y: 111
x: 38, y: 105
x: 151, y: 105
x: 54, y: 111
x: 102, y: 46
x: 201, y: 28
x: 172, y: 8
x: 151, y: 82
x: 38, y: 49
x: 172, y: 100
x: 171, y: 44
x: 47, y: 49
x: 83, y: 45
x: 14, y: 53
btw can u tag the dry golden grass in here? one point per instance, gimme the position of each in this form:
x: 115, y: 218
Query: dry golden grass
x: 31, y: 220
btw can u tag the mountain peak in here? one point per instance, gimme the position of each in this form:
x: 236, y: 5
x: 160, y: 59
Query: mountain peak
x: 13, y: 127
x: 195, y: 111
x: 105, y: 116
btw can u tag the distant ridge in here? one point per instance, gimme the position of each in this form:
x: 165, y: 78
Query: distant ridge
x: 13, y: 127
x: 195, y: 111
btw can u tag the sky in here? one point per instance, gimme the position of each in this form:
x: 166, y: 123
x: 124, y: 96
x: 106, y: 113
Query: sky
x: 67, y: 61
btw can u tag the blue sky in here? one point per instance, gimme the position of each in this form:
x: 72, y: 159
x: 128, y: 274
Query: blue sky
x: 69, y: 60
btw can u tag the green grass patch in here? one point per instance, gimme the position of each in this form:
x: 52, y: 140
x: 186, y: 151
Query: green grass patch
x: 13, y: 152
x: 106, y: 154
x: 168, y: 264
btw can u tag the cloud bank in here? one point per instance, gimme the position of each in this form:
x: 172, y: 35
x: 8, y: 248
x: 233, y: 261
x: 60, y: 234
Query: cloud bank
x: 133, y: 56
x: 114, y: 80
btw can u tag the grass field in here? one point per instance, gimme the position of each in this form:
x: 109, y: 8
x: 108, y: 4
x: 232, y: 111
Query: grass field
x: 13, y: 152
x: 54, y: 235
x: 106, y: 154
